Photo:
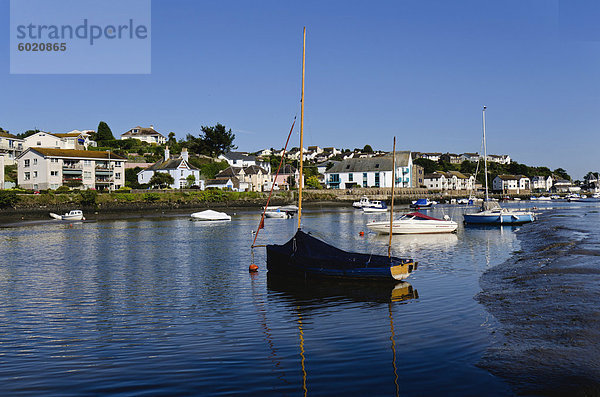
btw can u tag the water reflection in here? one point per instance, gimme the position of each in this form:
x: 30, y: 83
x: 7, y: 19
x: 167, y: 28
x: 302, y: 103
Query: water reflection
x: 306, y: 296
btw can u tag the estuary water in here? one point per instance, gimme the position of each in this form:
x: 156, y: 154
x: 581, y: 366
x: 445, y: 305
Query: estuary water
x: 166, y: 306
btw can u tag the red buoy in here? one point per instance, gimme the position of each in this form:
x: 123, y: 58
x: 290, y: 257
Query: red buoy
x: 253, y: 268
x: 361, y: 233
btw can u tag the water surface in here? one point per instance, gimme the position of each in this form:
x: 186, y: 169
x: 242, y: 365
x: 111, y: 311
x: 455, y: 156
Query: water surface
x: 167, y: 306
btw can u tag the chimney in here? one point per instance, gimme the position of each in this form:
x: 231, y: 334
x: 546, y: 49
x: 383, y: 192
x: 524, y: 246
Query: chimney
x: 184, y: 154
x: 167, y: 154
x: 152, y: 126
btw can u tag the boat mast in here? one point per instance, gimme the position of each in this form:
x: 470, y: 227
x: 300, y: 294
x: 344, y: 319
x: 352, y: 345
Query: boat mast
x: 392, y: 206
x: 301, y: 132
x: 485, y: 156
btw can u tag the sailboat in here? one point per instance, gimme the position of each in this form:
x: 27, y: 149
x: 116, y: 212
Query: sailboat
x: 306, y: 256
x: 491, y: 213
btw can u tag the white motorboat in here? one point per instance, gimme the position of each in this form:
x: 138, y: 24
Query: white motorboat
x: 210, y: 215
x: 376, y: 206
x: 415, y: 223
x: 73, y: 215
x: 278, y: 212
x: 364, y: 202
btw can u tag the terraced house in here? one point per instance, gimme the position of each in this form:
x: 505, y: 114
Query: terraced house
x: 46, y: 168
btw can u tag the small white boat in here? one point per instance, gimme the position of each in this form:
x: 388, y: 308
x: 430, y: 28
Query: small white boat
x: 364, y: 202
x: 210, y: 215
x: 278, y: 212
x: 596, y: 195
x: 423, y: 203
x: 462, y: 201
x: 415, y: 223
x: 73, y: 215
x: 376, y: 206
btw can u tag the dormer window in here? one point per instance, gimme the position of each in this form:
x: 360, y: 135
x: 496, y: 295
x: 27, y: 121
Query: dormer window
x: 135, y: 130
x: 376, y: 165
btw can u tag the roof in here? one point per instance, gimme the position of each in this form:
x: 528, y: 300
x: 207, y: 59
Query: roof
x: 382, y: 163
x: 142, y: 131
x: 458, y: 174
x: 68, y: 134
x: 171, y: 164
x: 70, y: 153
x: 511, y: 177
x: 229, y: 172
x: 238, y: 156
x: 287, y: 169
x: 254, y: 169
x: 222, y: 181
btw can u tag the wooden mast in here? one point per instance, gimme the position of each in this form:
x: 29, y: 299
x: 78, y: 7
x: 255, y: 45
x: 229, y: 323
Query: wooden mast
x: 301, y: 132
x: 392, y: 206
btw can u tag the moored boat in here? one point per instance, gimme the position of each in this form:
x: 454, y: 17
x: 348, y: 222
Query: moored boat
x: 491, y: 213
x: 210, y: 215
x: 73, y: 215
x: 376, y: 206
x: 415, y: 223
x: 364, y: 202
x: 422, y: 203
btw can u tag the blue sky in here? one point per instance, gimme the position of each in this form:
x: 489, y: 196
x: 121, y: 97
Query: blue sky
x: 419, y: 70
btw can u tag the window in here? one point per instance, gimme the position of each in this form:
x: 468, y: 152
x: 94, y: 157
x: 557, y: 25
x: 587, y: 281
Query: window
x: 117, y: 163
x: 53, y: 173
x: 87, y: 174
x: 364, y: 179
x: 35, y: 174
x: 350, y: 177
x: 34, y: 161
x: 377, y: 179
x: 39, y: 143
x: 54, y: 160
x: 181, y: 172
x: 35, y: 186
x: 87, y: 162
x: 117, y: 175
x: 26, y: 163
x: 27, y: 176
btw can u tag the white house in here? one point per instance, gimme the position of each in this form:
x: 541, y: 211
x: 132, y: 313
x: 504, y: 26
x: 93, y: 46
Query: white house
x: 74, y: 140
x: 452, y: 180
x: 500, y: 159
x: 511, y: 184
x: 145, y: 134
x: 541, y: 183
x: 474, y: 157
x: 49, y: 168
x: 370, y: 172
x: 10, y: 147
x: 1, y: 172
x: 241, y: 159
x: 178, y: 168
x: 223, y: 184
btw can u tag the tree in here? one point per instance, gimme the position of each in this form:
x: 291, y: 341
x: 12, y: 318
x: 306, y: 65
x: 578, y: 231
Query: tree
x: 88, y: 197
x: 217, y: 139
x: 27, y: 133
x: 131, y: 178
x: 161, y: 179
x: 171, y: 140
x: 104, y: 133
x: 562, y: 173
x: 429, y: 166
x: 191, y: 180
x: 368, y: 149
x: 313, y: 182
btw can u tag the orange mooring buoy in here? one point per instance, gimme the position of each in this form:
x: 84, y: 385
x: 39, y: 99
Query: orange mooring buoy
x: 361, y: 233
x: 253, y: 268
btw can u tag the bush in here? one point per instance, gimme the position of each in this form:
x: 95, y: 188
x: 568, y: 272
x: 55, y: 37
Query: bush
x: 151, y: 197
x: 88, y: 197
x: 63, y: 189
x: 8, y: 198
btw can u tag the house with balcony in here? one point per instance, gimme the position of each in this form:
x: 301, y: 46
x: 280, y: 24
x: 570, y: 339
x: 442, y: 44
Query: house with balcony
x: 10, y: 147
x: 179, y: 168
x: 511, y: 184
x: 371, y: 172
x: 451, y: 180
x: 474, y: 157
x: 145, y: 134
x: 50, y: 168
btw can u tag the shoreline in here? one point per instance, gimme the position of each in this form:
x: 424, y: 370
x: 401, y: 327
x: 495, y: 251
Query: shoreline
x: 544, y: 299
